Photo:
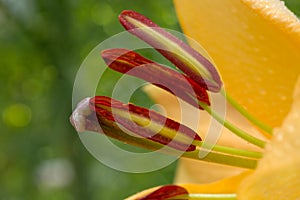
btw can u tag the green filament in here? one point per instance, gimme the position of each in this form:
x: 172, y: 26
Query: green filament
x: 237, y: 131
x: 246, y: 114
x: 223, y: 159
x: 228, y: 150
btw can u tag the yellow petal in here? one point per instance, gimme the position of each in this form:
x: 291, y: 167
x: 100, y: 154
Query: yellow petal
x: 225, y: 186
x: 256, y: 46
x: 278, y: 173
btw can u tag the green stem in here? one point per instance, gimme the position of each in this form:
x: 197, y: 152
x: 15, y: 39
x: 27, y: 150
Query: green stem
x: 228, y: 150
x: 223, y: 159
x: 246, y: 114
x: 239, y: 132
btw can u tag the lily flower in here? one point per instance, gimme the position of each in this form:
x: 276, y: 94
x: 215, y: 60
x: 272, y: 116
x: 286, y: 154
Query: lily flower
x: 264, y: 177
x: 124, y: 122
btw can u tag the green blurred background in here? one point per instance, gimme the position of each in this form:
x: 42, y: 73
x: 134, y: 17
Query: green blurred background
x: 43, y: 43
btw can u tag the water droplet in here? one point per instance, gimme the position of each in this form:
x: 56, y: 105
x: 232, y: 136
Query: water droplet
x: 263, y: 92
x: 279, y: 137
x: 102, y: 14
x: 270, y: 71
x: 283, y: 98
x: 290, y: 129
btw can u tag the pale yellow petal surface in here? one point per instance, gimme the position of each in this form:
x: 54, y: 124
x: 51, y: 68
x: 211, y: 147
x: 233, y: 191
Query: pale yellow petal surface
x: 255, y: 45
x: 277, y: 176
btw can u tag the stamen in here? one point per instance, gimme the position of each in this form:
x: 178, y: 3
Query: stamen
x: 137, y: 120
x: 131, y: 63
x: 192, y: 63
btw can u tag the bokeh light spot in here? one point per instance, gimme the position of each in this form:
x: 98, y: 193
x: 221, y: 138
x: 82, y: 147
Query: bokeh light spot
x: 55, y: 173
x: 102, y: 14
x: 17, y: 115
